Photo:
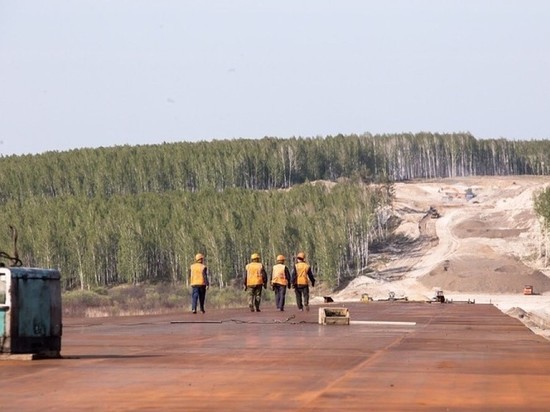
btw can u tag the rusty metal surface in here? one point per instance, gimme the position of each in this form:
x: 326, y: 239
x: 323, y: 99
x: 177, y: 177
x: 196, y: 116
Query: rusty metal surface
x: 457, y: 357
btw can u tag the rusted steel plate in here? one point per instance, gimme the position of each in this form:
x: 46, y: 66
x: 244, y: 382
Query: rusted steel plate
x: 456, y: 357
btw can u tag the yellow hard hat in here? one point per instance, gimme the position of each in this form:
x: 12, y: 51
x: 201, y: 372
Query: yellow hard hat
x: 199, y: 257
x: 301, y: 255
x: 280, y: 258
x: 255, y: 256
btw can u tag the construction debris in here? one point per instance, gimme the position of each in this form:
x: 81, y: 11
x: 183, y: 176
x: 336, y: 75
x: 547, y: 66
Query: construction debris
x: 334, y: 316
x: 382, y: 322
x: 392, y: 298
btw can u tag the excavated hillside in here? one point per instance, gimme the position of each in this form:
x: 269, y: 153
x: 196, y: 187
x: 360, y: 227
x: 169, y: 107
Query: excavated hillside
x: 474, y: 238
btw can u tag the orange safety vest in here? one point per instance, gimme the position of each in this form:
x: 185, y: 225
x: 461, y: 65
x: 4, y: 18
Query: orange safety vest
x: 302, y: 269
x: 197, y: 274
x: 278, y: 274
x: 254, y: 274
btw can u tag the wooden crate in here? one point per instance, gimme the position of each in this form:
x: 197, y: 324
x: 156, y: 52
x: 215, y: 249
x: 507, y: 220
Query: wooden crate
x: 334, y: 316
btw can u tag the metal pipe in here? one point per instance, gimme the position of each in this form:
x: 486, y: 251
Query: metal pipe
x: 381, y: 322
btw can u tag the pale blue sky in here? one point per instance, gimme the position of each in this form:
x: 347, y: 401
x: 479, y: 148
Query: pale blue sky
x: 90, y: 73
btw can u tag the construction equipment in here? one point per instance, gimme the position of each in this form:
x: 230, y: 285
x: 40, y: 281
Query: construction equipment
x: 30, y: 311
x: 469, y: 194
x: 30, y: 308
x: 366, y: 298
x: 433, y: 213
x: 439, y: 297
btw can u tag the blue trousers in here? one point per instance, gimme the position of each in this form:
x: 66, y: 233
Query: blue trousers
x: 280, y: 293
x: 198, y: 295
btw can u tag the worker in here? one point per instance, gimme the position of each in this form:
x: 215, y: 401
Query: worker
x: 280, y: 280
x: 198, y: 279
x: 301, y: 278
x: 255, y: 279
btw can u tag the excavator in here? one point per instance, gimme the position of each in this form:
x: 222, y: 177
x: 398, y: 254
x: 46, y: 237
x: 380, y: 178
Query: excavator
x: 433, y: 213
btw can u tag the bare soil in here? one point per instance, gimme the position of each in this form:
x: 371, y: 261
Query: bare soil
x: 485, y: 248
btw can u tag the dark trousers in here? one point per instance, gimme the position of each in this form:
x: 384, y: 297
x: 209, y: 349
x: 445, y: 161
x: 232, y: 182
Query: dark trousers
x: 280, y: 293
x: 255, y: 297
x: 302, y: 296
x: 198, y: 294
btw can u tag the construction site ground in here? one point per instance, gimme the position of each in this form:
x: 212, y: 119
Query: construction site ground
x: 407, y: 354
x: 485, y: 247
x: 392, y: 356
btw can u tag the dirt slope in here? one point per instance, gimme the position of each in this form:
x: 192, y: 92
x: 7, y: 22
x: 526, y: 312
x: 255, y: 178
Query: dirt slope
x: 484, y: 247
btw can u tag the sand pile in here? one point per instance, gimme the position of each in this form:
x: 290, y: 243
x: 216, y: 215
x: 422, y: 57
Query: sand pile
x: 475, y: 274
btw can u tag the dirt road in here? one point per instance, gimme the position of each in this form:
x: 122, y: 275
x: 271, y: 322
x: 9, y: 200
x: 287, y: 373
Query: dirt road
x: 483, y: 245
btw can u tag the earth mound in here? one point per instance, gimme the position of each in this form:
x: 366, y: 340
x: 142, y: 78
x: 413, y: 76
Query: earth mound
x: 474, y: 274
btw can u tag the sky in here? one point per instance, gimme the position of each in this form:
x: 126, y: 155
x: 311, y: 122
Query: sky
x: 101, y: 73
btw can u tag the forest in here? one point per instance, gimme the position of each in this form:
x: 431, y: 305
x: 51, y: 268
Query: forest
x: 135, y: 214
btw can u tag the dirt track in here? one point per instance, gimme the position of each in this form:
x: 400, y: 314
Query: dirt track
x: 486, y: 247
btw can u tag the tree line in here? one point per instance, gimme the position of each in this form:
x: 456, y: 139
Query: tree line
x: 131, y: 214
x: 154, y: 236
x: 265, y: 164
x: 542, y: 208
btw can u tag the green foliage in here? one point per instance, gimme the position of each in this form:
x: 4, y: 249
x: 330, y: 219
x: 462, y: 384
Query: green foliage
x: 125, y: 299
x: 269, y: 163
x: 134, y: 215
x: 76, y: 303
x: 226, y: 298
x: 85, y: 297
x: 153, y: 238
x: 542, y: 206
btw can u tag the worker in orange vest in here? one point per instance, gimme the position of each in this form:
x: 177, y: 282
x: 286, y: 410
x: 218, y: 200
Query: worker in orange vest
x: 280, y: 280
x: 255, y: 279
x: 302, y: 277
x: 198, y: 279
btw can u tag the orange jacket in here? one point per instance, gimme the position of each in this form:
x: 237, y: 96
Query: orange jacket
x: 255, y: 274
x: 198, y: 275
x: 302, y: 275
x: 279, y: 275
